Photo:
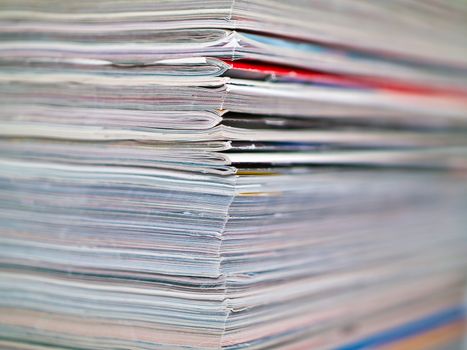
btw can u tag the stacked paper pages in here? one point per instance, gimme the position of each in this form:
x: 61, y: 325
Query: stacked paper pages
x: 248, y: 174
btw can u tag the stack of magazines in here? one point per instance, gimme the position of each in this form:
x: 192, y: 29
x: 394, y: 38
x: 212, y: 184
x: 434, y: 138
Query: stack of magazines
x: 233, y: 174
